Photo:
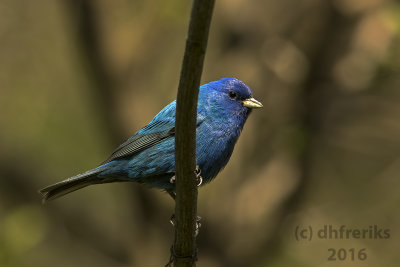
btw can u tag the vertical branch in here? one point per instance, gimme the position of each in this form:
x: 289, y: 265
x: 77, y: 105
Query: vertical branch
x: 184, y: 248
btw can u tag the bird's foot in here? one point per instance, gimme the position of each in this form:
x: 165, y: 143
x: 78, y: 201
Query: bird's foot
x: 197, y: 172
x: 172, y: 220
x: 198, y: 225
x: 198, y: 175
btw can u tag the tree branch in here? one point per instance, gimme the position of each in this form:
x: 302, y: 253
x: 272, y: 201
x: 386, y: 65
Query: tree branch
x: 184, y: 249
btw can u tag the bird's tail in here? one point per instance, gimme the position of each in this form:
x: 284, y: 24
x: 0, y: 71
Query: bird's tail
x: 71, y: 184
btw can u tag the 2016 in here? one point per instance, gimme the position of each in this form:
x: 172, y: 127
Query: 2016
x: 342, y: 254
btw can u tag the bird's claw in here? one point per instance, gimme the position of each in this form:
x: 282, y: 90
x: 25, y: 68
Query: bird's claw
x: 199, y: 181
x: 198, y: 176
x: 198, y: 223
x: 172, y: 220
x: 197, y: 172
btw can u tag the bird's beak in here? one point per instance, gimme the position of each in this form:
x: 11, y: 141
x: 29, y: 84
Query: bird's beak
x: 252, y: 103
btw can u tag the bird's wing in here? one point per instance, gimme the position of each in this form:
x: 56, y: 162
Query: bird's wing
x: 160, y: 128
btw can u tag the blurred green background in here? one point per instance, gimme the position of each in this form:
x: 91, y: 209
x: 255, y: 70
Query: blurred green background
x: 78, y: 77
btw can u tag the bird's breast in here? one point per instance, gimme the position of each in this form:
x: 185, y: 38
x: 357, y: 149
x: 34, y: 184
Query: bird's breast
x: 214, y: 147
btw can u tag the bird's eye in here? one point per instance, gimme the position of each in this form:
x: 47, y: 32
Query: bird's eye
x: 232, y: 94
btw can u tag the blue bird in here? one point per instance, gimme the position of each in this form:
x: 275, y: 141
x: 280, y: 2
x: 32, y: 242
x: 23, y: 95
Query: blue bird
x: 148, y: 156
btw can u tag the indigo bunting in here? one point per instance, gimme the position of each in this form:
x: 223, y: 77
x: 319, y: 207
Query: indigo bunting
x: 148, y: 156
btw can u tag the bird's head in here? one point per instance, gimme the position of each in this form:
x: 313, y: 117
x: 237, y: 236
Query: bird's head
x: 230, y: 96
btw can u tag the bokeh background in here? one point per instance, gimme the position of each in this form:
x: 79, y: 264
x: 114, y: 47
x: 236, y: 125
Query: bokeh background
x: 78, y: 77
